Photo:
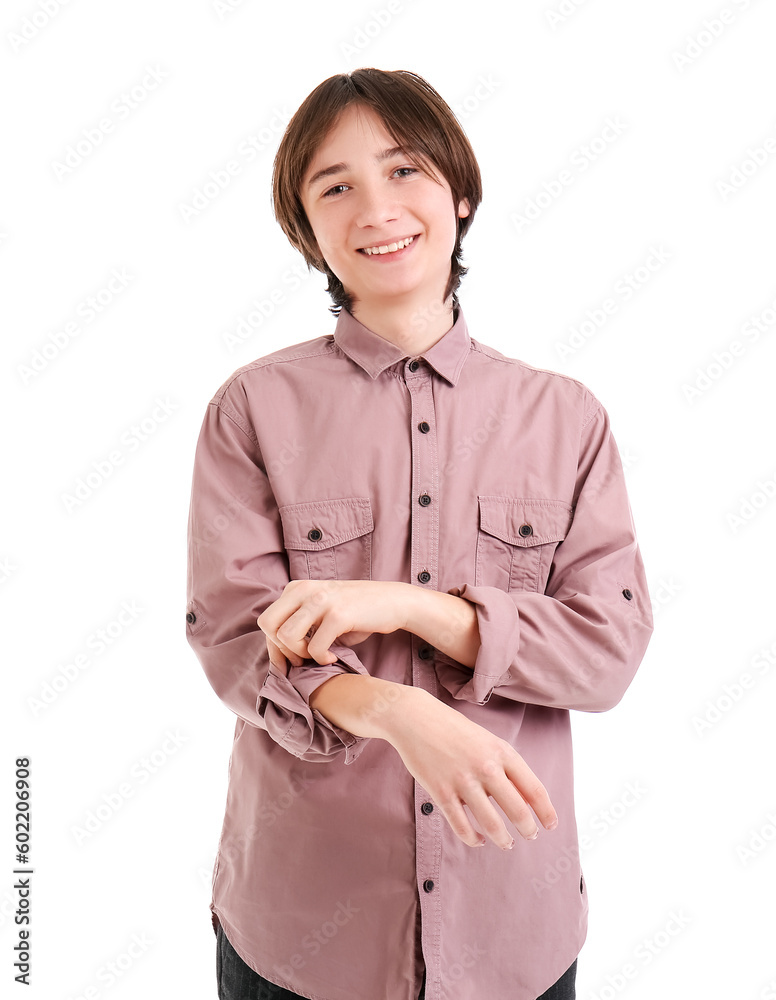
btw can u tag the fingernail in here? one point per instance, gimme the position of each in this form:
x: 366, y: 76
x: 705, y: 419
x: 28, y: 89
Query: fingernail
x: 533, y: 836
x: 553, y: 824
x: 510, y: 846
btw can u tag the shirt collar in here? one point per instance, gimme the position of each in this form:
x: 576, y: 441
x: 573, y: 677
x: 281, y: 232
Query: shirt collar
x: 374, y: 353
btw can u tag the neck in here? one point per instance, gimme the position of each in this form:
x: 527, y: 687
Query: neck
x: 414, y: 327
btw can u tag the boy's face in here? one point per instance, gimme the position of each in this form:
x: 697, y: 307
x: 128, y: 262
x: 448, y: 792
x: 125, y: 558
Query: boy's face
x: 370, y: 202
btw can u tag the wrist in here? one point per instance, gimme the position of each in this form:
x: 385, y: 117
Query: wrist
x: 365, y: 706
x: 391, y: 708
x: 417, y: 606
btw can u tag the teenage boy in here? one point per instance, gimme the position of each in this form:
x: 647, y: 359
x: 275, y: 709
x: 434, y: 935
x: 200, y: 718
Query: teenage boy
x: 410, y: 557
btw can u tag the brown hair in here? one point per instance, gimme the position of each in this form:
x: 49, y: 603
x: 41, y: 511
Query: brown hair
x: 414, y: 115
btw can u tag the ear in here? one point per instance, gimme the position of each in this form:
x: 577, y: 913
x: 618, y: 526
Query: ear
x: 463, y: 208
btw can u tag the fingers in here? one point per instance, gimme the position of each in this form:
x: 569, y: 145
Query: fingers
x: 282, y: 648
x: 454, y: 813
x: 531, y: 791
x: 491, y: 822
x: 296, y: 633
x: 280, y: 656
x: 318, y: 646
x: 514, y: 787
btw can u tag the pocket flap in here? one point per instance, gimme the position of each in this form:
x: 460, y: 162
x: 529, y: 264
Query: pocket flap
x: 524, y: 521
x: 319, y: 524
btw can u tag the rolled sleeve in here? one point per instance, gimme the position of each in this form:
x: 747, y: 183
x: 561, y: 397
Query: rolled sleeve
x: 499, y: 628
x: 284, y: 704
x: 237, y: 567
x: 578, y: 644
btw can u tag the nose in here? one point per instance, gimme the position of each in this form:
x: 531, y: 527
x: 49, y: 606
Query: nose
x: 376, y: 206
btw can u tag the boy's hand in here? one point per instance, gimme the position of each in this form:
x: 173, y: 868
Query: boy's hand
x: 460, y: 763
x: 311, y: 614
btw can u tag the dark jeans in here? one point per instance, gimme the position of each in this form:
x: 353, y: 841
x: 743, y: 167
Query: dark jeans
x: 238, y: 981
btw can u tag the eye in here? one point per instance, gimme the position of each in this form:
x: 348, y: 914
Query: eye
x: 337, y: 187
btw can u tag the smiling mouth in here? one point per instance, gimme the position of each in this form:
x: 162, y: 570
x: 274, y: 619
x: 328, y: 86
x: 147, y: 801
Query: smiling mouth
x: 388, y: 248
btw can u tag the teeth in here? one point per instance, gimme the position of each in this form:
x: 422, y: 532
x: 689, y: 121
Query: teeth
x: 390, y: 248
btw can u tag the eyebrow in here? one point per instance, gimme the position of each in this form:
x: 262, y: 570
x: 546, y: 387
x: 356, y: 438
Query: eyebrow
x: 337, y: 167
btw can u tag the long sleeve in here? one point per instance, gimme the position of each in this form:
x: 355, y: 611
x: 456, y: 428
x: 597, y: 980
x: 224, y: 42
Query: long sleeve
x: 578, y: 644
x: 237, y: 566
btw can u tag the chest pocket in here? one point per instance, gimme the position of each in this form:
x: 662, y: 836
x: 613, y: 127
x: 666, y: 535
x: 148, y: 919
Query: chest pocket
x: 516, y: 540
x: 329, y: 539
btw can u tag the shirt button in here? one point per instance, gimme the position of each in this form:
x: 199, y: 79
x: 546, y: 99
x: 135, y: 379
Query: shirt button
x: 315, y: 534
x: 627, y: 594
x: 423, y: 427
x: 414, y: 365
x: 428, y: 885
x: 525, y: 530
x: 426, y: 808
x: 191, y: 617
x: 425, y: 652
x: 424, y: 499
x: 424, y: 576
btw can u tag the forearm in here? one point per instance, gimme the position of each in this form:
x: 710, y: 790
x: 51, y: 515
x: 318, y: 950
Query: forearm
x: 371, y: 706
x: 447, y: 622
x: 364, y: 706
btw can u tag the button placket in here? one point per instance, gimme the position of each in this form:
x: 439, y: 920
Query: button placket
x: 424, y: 530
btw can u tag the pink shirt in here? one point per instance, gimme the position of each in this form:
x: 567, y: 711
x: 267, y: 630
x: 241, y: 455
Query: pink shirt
x: 464, y: 471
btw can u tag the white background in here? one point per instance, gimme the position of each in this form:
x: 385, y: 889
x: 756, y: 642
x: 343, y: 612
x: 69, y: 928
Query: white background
x: 531, y: 90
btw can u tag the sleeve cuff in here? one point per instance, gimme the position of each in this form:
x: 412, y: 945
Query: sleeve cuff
x: 499, y: 627
x: 284, y: 703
